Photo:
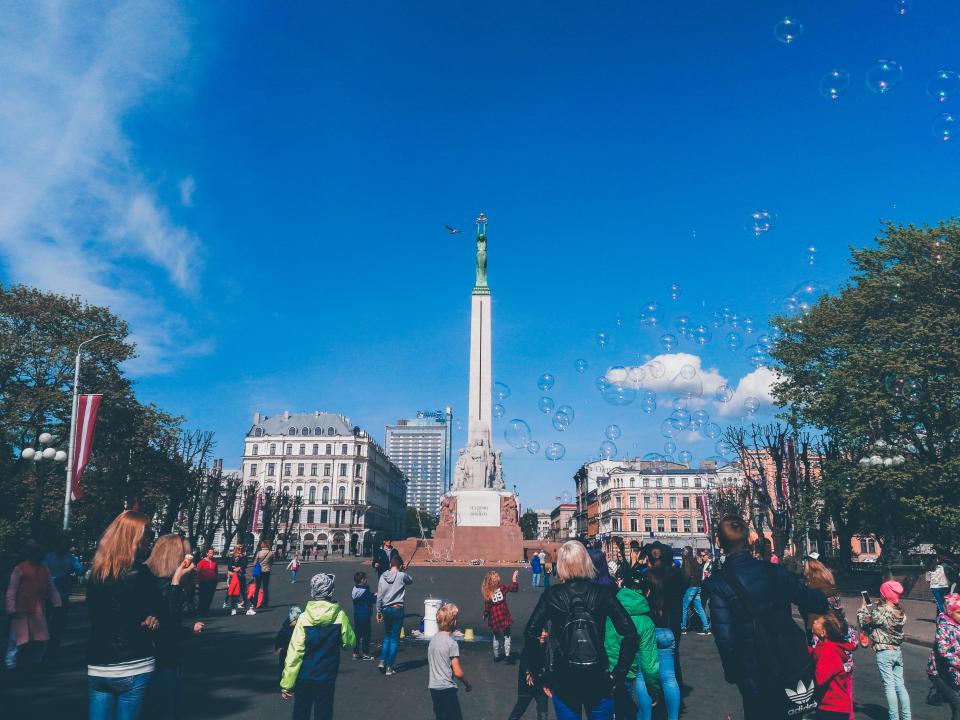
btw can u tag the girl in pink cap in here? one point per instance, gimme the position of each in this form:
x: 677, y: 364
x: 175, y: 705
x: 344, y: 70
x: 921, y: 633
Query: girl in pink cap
x: 884, y: 625
x: 944, y: 665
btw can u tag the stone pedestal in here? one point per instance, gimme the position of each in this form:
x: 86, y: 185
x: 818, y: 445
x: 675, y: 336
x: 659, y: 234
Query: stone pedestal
x: 478, y: 524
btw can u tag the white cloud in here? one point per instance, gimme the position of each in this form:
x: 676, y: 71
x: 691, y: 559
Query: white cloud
x: 187, y: 187
x: 74, y: 208
x: 756, y: 384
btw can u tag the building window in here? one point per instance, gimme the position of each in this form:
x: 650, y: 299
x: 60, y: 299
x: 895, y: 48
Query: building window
x: 293, y: 431
x: 699, y: 524
x: 696, y: 482
x: 673, y: 524
x: 356, y: 494
x: 659, y: 482
x: 647, y: 525
x: 633, y: 501
x: 686, y: 524
x: 329, y: 450
x: 312, y: 495
x: 646, y: 501
x: 343, y: 449
x: 633, y: 524
x: 253, y: 469
x: 324, y: 516
x: 271, y: 468
x: 256, y: 449
x: 685, y: 482
x: 273, y: 448
x: 646, y: 482
x: 632, y: 482
x: 289, y: 448
x: 305, y: 431
x: 303, y: 449
x: 343, y: 469
x: 318, y: 431
x: 286, y: 468
x: 316, y: 449
x: 356, y: 470
x: 258, y: 432
x: 300, y: 469
x: 673, y: 502
x: 330, y: 432
x: 619, y: 501
x: 660, y: 524
x: 342, y: 494
x: 360, y: 450
x: 313, y: 469
x: 686, y: 502
x: 659, y: 501
x: 300, y: 492
x: 672, y: 482
x: 326, y: 469
x: 310, y: 516
x: 615, y: 525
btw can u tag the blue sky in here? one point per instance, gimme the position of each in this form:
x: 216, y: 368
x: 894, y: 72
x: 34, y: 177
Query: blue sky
x: 262, y: 191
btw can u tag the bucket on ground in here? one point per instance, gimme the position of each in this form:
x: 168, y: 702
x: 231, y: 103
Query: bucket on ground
x: 430, y: 607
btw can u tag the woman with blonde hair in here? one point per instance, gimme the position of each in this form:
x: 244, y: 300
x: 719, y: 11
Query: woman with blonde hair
x: 171, y: 563
x: 496, y: 611
x: 124, y: 605
x: 578, y: 610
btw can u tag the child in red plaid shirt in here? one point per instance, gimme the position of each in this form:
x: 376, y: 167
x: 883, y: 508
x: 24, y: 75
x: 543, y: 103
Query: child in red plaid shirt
x: 496, y: 611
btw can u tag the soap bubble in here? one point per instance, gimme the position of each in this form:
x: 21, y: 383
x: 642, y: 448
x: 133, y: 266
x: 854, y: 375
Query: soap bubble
x: 616, y: 373
x: 498, y: 411
x: 750, y: 405
x: 545, y: 381
x: 601, y: 382
x: 655, y: 369
x: 501, y: 391
x: 667, y: 429
x: 517, y: 434
x: 734, y: 341
x: 650, y: 314
x: 554, y: 451
x: 668, y: 341
x: 608, y: 450
x: 648, y: 402
x: 545, y: 405
x: 945, y: 126
x: 602, y: 339
x: 712, y: 431
x: 635, y: 376
x: 680, y: 419
x: 903, y: 386
x: 612, y: 432
x: 562, y: 418
x: 903, y: 6
x: 787, y: 30
x: 674, y: 291
x: 943, y: 84
x: 580, y: 365
x: 533, y: 447
x: 619, y: 393
x: 458, y: 425
x: 724, y: 448
x: 701, y: 334
x: 685, y: 457
x: 834, y: 83
x: 700, y: 417
x: 566, y: 497
x: 669, y: 447
x: 757, y: 356
x: 679, y: 404
x: 682, y: 324
x: 760, y: 221
x: 811, y: 255
x: 724, y: 394
x: 566, y: 410
x: 883, y: 76
x: 717, y: 319
x: 686, y: 387
x: 765, y: 342
x: 687, y: 372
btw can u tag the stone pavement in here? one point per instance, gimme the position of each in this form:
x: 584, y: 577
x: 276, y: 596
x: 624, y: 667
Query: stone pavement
x: 230, y: 671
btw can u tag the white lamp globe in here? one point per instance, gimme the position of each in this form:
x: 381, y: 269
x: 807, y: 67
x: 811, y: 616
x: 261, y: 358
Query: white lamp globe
x: 49, y: 453
x: 876, y: 460
x: 61, y: 456
x: 37, y: 455
x: 888, y: 462
x: 28, y: 453
x: 864, y: 461
x: 46, y: 438
x: 899, y: 459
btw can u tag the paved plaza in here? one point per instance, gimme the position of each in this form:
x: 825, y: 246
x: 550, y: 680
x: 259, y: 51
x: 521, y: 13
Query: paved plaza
x: 230, y: 671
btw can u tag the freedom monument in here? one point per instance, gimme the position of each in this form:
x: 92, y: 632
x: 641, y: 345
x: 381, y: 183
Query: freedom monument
x: 479, y: 517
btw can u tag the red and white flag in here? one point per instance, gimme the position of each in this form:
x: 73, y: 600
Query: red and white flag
x: 703, y: 505
x: 256, y: 513
x: 86, y: 420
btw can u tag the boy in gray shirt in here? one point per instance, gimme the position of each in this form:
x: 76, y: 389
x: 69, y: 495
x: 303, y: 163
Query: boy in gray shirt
x: 443, y: 660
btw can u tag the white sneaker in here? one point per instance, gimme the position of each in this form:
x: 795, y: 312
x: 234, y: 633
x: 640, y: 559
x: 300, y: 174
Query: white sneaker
x: 251, y: 611
x: 233, y: 612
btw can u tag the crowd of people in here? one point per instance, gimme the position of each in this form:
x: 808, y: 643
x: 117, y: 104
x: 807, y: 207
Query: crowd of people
x: 604, y: 640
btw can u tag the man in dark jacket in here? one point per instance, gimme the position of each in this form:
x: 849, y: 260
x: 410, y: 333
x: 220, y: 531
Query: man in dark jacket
x: 769, y: 587
x: 382, y: 557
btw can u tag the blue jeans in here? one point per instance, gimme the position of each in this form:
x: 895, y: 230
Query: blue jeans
x: 938, y: 595
x: 118, y: 698
x: 692, y: 595
x: 890, y: 665
x: 546, y: 579
x: 603, y: 710
x: 293, y: 576
x: 392, y: 622
x: 666, y: 649
x: 641, y: 696
x: 536, y: 579
x: 163, y: 696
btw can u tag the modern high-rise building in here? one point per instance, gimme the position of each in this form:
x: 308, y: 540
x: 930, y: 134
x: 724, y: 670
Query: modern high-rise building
x: 420, y: 447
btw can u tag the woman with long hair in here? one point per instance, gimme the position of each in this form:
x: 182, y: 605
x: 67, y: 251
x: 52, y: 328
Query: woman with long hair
x: 820, y: 577
x: 124, y: 606
x: 581, y: 678
x: 263, y: 563
x: 664, y: 596
x: 693, y: 575
x: 171, y: 563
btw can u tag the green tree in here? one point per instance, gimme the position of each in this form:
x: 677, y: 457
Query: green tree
x: 876, y: 370
x: 529, y: 525
x: 417, y: 522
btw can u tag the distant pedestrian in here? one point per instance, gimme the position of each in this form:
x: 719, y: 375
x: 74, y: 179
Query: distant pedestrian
x: 443, y: 662
x: 124, y: 605
x: 939, y: 583
x: 263, y: 564
x: 207, y: 577
x: 693, y: 575
x: 313, y: 658
x: 528, y: 688
x: 884, y: 625
x: 832, y: 657
x: 548, y: 570
x: 65, y: 569
x: 602, y: 576
x: 237, y: 582
x: 281, y: 641
x: 391, y: 594
x: 381, y: 557
x: 363, y: 602
x: 536, y: 567
x: 30, y: 589
x: 496, y: 611
x: 293, y: 566
x: 944, y: 666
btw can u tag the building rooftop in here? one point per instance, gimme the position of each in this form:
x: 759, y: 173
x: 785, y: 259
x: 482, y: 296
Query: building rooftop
x: 315, y: 424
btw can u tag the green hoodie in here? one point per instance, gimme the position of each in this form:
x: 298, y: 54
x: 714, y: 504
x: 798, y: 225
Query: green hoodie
x: 323, y: 616
x: 647, y: 660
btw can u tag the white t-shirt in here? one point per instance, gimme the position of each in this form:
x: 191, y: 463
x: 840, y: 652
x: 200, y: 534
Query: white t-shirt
x: 441, y: 649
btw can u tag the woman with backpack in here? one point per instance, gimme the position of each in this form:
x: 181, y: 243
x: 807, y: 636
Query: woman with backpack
x: 578, y: 610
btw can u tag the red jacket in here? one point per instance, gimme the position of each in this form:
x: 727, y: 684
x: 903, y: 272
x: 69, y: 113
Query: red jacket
x: 206, y: 571
x: 833, y: 680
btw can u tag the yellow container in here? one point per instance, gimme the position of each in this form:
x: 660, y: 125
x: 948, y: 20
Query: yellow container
x: 468, y: 635
x: 403, y: 634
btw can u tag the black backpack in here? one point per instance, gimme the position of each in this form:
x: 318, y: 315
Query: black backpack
x: 781, y: 646
x: 581, y: 642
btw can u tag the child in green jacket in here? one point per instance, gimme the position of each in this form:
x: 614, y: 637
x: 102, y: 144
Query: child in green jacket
x: 309, y: 677
x: 643, y: 678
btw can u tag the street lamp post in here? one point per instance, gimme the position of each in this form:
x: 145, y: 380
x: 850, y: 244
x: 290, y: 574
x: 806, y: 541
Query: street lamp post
x: 73, y: 430
x: 46, y: 451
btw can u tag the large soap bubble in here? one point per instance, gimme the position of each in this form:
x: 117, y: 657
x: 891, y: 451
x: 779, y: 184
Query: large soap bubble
x: 668, y: 341
x: 608, y: 450
x: 546, y: 405
x: 580, y: 365
x: 501, y: 391
x: 635, y: 376
x: 655, y: 369
x: 602, y: 339
x: 760, y: 221
x: 751, y: 404
x: 669, y: 447
x: 680, y: 419
x: 648, y: 402
x: 619, y: 393
x: 712, y: 431
x: 533, y: 447
x: 616, y: 374
x: 733, y: 340
x: 699, y: 417
x: 667, y: 429
x: 499, y: 411
x: 787, y: 30
x: 834, y: 83
x: 517, y: 434
x: 945, y: 126
x: 883, y: 76
x: 943, y: 84
x: 724, y: 394
x: 685, y: 457
x: 554, y: 451
x: 545, y: 382
x: 674, y: 291
x: 566, y: 411
x: 682, y: 324
x: 612, y: 432
x: 701, y: 334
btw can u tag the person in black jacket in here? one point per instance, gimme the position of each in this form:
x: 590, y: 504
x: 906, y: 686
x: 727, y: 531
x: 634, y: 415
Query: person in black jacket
x: 770, y: 588
x: 383, y: 555
x: 578, y: 611
x: 124, y: 605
